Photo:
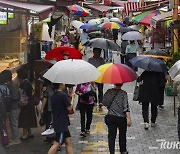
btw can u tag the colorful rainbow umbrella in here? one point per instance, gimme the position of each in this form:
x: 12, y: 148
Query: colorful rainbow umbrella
x: 110, y: 25
x: 115, y: 73
x: 78, y: 10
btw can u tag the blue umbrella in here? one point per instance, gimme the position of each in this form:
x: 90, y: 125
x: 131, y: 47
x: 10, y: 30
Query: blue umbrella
x: 149, y: 63
x: 85, y: 26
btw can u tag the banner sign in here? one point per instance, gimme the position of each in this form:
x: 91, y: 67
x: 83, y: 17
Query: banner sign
x: 3, y: 18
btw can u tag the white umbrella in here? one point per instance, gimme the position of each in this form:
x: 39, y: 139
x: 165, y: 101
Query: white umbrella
x: 175, y: 70
x: 132, y: 35
x: 135, y: 27
x: 115, y: 19
x: 76, y: 23
x: 72, y: 71
x: 105, y: 19
x: 94, y: 21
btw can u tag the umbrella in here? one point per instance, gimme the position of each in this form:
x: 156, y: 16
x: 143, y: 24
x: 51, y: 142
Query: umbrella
x: 76, y: 23
x: 115, y: 73
x: 135, y: 27
x: 149, y: 64
x: 95, y: 34
x: 104, y: 19
x: 126, y: 29
x: 41, y: 65
x: 110, y: 25
x: 102, y: 43
x: 72, y: 72
x: 175, y: 69
x: 57, y: 53
x: 132, y: 35
x: 94, y: 21
x: 114, y: 19
x: 85, y: 26
x: 93, y: 28
x: 157, y: 53
x: 78, y: 10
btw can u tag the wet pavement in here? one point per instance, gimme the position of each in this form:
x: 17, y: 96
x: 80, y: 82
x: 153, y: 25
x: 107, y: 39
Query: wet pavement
x: 139, y: 140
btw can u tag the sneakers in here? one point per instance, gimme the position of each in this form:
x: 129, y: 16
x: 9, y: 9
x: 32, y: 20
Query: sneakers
x: 146, y: 126
x: 83, y: 134
x: 47, y: 132
x: 14, y: 142
x: 153, y: 124
x: 161, y: 107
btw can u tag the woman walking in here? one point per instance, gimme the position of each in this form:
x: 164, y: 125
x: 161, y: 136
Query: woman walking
x: 118, y: 117
x: 86, y: 93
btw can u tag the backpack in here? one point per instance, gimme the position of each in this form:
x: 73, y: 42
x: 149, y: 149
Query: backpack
x: 6, y: 99
x: 23, y: 98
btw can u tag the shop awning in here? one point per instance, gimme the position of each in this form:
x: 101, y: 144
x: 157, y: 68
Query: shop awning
x: 26, y: 8
x: 161, y: 17
x: 99, y: 7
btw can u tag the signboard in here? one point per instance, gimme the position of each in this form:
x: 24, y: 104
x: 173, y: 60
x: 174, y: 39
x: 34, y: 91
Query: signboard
x: 3, y: 18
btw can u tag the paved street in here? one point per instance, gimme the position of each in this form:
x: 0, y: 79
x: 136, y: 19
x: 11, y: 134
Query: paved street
x: 139, y: 141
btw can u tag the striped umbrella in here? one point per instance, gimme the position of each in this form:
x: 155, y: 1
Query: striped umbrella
x: 109, y: 25
x: 78, y: 10
x: 115, y: 73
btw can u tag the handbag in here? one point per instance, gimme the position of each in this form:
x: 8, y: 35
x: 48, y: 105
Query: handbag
x: 34, y: 100
x: 136, y: 92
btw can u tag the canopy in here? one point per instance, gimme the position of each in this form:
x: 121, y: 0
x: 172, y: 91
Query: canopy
x: 145, y: 17
x: 26, y: 8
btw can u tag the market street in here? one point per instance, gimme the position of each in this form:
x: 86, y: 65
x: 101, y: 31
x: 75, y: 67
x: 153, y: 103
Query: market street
x: 139, y: 140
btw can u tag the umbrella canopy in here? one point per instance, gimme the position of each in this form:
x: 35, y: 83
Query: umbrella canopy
x: 72, y: 72
x: 114, y: 19
x: 110, y: 25
x: 157, y: 53
x: 76, y: 23
x: 102, y: 43
x: 85, y: 26
x: 93, y: 28
x: 175, y: 69
x: 58, y: 53
x: 104, y: 19
x: 149, y: 64
x: 95, y: 34
x: 132, y: 35
x: 126, y: 29
x: 94, y: 21
x: 135, y: 27
x: 115, y: 73
x: 42, y: 65
x: 78, y: 10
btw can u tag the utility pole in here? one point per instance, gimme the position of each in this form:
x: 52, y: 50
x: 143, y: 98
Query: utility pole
x: 175, y: 17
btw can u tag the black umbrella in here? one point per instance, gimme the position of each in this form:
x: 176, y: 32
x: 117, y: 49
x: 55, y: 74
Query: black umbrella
x: 102, y: 43
x: 126, y: 29
x: 149, y: 64
x: 157, y: 52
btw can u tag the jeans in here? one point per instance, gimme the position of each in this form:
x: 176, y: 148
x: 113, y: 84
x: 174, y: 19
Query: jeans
x: 179, y: 123
x: 86, y: 111
x: 14, y: 118
x: 100, y: 92
x: 114, y: 122
x: 145, y: 112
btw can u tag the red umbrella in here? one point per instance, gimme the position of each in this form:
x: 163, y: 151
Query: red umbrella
x: 58, y: 53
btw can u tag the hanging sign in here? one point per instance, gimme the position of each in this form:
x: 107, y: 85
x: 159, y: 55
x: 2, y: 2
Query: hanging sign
x: 3, y: 18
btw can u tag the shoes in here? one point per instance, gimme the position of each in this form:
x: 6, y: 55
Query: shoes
x: 161, y: 107
x: 100, y: 107
x: 146, y: 126
x: 24, y: 138
x: 153, y: 124
x: 87, y: 132
x: 83, y: 134
x: 14, y: 142
x: 47, y: 132
x: 124, y: 152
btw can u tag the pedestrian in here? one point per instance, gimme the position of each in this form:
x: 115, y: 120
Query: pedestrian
x: 96, y: 61
x: 118, y: 117
x: 60, y: 107
x: 46, y: 110
x: 64, y: 40
x: 15, y: 107
x: 124, y: 44
x: 131, y: 52
x: 149, y: 94
x: 176, y: 87
x: 86, y: 93
x: 115, y: 35
x: 4, y: 138
x: 83, y: 39
x: 108, y: 55
x: 27, y: 116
